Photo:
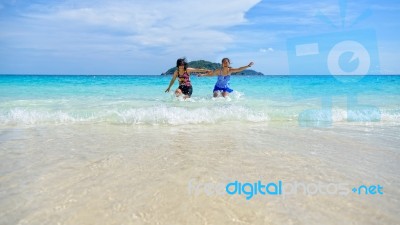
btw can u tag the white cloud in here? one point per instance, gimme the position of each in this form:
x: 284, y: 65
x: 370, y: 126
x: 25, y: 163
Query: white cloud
x: 263, y: 50
x: 135, y: 32
x: 174, y: 25
x: 274, y: 63
x: 117, y: 32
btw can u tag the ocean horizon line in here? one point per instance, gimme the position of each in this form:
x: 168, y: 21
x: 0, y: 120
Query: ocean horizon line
x: 23, y: 74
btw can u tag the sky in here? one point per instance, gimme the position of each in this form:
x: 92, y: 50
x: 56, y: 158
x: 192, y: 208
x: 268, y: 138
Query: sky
x: 146, y: 37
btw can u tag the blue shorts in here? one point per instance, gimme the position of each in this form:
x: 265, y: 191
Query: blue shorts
x: 222, y: 89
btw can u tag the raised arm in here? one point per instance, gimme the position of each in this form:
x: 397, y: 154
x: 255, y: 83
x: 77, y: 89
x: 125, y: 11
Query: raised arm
x: 172, y: 80
x: 240, y: 69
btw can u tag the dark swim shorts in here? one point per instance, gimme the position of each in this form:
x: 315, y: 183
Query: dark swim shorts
x: 186, y: 90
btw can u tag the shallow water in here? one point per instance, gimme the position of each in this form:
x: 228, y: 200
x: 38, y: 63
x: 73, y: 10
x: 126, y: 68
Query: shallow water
x: 309, y: 100
x: 113, y: 174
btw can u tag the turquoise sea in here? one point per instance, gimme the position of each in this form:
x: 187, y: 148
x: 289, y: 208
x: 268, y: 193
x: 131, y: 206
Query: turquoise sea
x: 134, y: 100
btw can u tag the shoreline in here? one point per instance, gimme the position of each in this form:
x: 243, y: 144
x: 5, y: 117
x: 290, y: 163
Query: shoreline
x: 104, y: 174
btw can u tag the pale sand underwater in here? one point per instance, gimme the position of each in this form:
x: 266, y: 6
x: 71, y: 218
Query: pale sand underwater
x: 116, y: 174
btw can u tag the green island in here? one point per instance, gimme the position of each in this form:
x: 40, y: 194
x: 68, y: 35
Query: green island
x: 203, y: 64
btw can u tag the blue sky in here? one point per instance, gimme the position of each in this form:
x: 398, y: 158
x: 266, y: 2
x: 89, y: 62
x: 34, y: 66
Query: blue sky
x: 147, y: 36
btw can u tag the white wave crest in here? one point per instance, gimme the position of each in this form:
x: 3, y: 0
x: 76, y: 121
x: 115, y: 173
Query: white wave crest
x: 150, y: 115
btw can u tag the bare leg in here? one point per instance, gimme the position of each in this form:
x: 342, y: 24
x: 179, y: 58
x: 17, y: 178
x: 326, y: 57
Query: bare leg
x: 215, y: 94
x: 225, y: 94
x: 178, y: 92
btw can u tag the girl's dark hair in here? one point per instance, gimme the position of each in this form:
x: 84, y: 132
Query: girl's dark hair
x: 180, y: 62
x: 222, y: 61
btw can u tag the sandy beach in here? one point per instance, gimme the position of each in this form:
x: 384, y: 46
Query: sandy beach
x: 115, y: 174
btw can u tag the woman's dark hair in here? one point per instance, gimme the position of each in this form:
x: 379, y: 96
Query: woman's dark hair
x: 180, y: 62
x: 222, y: 61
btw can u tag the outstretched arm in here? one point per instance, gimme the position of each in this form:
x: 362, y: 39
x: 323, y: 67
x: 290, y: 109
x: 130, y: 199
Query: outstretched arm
x: 209, y: 73
x: 172, y: 81
x: 195, y: 70
x: 240, y: 69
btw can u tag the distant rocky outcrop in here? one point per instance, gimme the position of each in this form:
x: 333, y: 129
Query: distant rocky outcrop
x: 203, y: 64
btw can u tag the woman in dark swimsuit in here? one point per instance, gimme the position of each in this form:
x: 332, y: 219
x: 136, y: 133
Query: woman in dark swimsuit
x: 183, y: 74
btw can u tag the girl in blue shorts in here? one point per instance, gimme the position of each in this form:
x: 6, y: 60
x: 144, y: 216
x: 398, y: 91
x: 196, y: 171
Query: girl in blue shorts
x: 224, y: 75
